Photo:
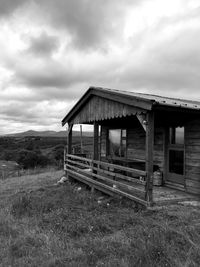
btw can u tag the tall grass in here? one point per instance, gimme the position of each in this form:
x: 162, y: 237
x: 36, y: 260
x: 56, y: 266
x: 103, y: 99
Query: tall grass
x: 62, y: 226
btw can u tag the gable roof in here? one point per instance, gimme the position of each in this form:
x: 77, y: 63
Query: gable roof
x: 138, y: 100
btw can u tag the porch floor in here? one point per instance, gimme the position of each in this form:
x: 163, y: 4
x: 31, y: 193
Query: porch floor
x: 166, y: 195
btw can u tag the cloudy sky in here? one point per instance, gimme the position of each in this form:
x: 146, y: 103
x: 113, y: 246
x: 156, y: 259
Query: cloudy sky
x: 52, y: 51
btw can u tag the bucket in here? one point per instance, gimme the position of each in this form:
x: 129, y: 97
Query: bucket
x: 157, y: 178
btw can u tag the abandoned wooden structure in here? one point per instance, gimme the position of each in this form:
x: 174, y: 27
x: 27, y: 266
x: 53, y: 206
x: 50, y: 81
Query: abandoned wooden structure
x: 137, y: 139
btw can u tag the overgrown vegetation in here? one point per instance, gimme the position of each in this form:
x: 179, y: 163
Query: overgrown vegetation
x: 47, y: 225
x: 32, y: 152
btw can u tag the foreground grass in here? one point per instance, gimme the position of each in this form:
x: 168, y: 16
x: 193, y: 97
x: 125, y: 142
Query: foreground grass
x: 46, y: 225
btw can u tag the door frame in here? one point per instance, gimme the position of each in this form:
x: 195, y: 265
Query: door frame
x: 167, y: 148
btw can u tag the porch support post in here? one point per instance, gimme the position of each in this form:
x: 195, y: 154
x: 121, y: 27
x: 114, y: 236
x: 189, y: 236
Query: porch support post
x: 166, y: 140
x: 95, y: 149
x: 69, y: 149
x: 149, y: 156
x: 96, y: 141
x: 69, y: 139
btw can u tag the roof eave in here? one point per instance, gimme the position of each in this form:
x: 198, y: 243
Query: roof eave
x: 123, y: 98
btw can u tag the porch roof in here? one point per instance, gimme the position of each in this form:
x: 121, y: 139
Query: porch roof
x: 133, y: 103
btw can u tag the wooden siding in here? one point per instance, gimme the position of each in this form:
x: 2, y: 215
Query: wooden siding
x: 136, y: 142
x: 103, y: 141
x: 192, y: 156
x: 159, y: 147
x: 99, y: 108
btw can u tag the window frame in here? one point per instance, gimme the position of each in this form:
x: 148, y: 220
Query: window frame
x: 123, y: 137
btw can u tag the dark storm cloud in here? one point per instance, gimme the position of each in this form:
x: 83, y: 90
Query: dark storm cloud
x: 34, y: 112
x: 7, y: 7
x: 89, y: 23
x: 44, y: 77
x: 168, y: 65
x: 49, y: 74
x: 43, y: 45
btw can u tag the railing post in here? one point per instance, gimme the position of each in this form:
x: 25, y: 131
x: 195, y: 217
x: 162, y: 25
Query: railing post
x: 149, y: 156
x: 69, y: 144
x: 64, y: 156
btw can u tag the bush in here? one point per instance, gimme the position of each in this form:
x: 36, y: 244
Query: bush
x: 31, y: 159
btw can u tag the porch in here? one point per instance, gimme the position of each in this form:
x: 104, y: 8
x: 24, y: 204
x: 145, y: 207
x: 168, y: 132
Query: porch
x: 135, y: 135
x: 119, y: 180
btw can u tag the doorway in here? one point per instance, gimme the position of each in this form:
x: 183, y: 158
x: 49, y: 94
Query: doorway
x: 176, y: 156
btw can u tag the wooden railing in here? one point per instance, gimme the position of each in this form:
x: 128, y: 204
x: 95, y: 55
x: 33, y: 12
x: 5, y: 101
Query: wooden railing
x: 116, y: 179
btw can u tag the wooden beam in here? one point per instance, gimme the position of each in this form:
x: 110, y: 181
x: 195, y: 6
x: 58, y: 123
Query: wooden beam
x: 166, y: 141
x: 95, y: 146
x: 141, y: 103
x: 149, y: 156
x: 96, y: 141
x: 69, y: 138
x: 95, y: 183
x: 142, y: 120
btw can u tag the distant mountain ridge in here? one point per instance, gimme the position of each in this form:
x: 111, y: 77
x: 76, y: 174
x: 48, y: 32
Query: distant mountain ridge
x: 48, y: 134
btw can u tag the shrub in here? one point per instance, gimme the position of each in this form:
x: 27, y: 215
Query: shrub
x: 31, y: 159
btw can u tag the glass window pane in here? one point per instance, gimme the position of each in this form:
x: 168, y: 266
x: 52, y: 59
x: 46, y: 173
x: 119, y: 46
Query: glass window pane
x: 179, y: 137
x: 176, y: 161
x: 114, y: 142
x: 117, y: 142
x: 123, y: 133
x: 176, y: 135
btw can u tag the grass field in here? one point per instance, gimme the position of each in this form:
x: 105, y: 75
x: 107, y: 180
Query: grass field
x: 42, y: 224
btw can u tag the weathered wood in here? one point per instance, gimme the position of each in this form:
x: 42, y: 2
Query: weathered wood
x: 96, y: 141
x: 142, y: 119
x: 192, y: 156
x: 69, y: 139
x: 136, y: 141
x: 90, y: 181
x: 193, y: 183
x: 112, y: 182
x: 123, y: 98
x: 166, y: 141
x: 114, y: 166
x: 149, y: 156
x: 110, y: 173
x: 192, y: 171
x: 98, y: 108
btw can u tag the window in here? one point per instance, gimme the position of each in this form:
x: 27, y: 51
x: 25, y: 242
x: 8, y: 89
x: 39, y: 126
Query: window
x: 176, y: 150
x: 176, y: 135
x: 117, y: 142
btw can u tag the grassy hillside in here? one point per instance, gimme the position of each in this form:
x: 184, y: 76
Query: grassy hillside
x: 42, y: 224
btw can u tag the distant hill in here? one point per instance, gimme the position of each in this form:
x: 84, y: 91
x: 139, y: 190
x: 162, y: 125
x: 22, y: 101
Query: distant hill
x: 48, y: 134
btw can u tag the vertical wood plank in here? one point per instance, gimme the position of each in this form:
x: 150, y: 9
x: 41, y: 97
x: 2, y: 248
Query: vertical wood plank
x: 166, y: 141
x: 96, y: 141
x: 69, y: 146
x: 149, y: 156
x: 107, y: 143
x: 95, y: 146
x: 69, y: 138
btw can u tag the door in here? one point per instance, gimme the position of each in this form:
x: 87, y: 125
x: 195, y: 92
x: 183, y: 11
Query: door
x: 176, y: 158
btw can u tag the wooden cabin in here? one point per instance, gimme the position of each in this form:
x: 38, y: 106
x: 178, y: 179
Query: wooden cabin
x: 138, y: 140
